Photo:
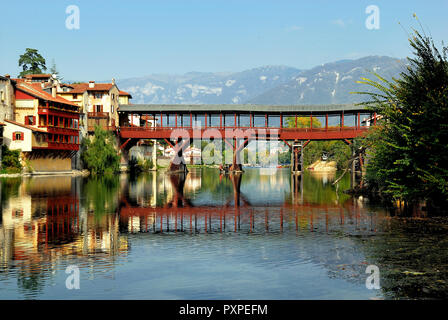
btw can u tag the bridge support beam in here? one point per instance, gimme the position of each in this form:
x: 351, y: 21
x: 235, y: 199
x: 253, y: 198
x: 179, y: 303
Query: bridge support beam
x: 154, y: 154
x: 236, y: 160
x: 297, y: 157
x: 124, y: 151
x: 235, y: 177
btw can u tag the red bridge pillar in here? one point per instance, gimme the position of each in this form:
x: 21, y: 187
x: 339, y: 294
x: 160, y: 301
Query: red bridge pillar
x: 297, y: 157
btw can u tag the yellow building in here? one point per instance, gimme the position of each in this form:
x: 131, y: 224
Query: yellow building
x: 124, y: 97
x: 98, y: 101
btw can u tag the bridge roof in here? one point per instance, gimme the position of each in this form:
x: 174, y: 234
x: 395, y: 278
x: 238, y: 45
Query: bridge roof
x: 142, y: 108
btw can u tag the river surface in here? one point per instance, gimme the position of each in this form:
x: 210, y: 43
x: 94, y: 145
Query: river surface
x: 259, y: 235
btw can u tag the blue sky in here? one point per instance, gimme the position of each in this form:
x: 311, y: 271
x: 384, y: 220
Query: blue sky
x: 133, y: 38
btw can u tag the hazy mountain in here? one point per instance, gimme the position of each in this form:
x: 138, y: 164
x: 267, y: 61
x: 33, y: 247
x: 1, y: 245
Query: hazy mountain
x: 332, y: 83
x: 204, y: 87
x: 328, y: 83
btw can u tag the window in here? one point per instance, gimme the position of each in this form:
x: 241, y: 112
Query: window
x: 17, y: 136
x: 215, y: 120
x: 200, y: 120
x: 2, y: 95
x: 75, y: 96
x: 112, y: 109
x: 244, y: 120
x: 186, y: 120
x: 259, y: 120
x: 98, y: 95
x: 98, y: 108
x: 229, y: 120
x: 30, y: 120
x: 273, y: 121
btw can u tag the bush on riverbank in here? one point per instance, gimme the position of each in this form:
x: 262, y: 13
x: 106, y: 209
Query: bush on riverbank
x: 337, y: 151
x: 140, y: 165
x: 408, y: 152
x: 10, y: 160
x: 99, y: 154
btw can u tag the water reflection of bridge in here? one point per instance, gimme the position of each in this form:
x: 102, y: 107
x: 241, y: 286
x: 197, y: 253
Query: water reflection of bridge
x: 180, y: 214
x: 259, y: 219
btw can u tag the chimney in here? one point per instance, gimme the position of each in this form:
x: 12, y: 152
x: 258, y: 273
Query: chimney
x: 113, y: 81
x: 53, y: 91
x: 91, y: 84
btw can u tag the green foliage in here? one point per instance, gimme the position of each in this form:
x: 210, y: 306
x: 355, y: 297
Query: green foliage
x: 337, y: 151
x: 31, y: 62
x: 9, y: 188
x: 141, y: 165
x: 100, y: 194
x: 28, y: 165
x: 408, y: 152
x: 10, y: 160
x: 302, y: 122
x: 99, y: 155
x: 284, y: 157
x: 54, y: 69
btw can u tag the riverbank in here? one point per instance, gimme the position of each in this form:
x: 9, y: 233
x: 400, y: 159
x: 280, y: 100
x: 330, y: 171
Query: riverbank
x: 75, y: 173
x: 323, y: 166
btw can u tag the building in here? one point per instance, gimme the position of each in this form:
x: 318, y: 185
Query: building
x: 7, y: 98
x: 98, y: 101
x: 24, y: 137
x: 46, y: 126
x: 123, y: 97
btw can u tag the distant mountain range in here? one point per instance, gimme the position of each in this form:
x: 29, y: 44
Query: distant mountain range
x: 278, y: 85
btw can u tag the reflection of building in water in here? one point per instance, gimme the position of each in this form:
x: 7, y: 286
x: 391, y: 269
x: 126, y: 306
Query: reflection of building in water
x: 150, y: 189
x: 193, y: 182
x: 43, y: 224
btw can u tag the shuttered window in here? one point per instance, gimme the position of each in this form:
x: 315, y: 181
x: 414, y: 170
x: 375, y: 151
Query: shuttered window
x: 17, y: 135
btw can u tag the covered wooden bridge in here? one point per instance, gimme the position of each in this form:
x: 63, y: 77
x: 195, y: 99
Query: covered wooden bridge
x: 237, y: 125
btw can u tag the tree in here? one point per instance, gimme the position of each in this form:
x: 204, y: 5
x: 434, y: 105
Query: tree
x: 99, y: 155
x: 10, y: 160
x: 408, y: 152
x: 31, y: 62
x: 54, y: 70
x: 302, y: 122
x: 337, y: 150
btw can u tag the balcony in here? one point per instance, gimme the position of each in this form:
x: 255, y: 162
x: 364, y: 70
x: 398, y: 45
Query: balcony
x: 63, y: 146
x: 103, y: 123
x: 98, y: 115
